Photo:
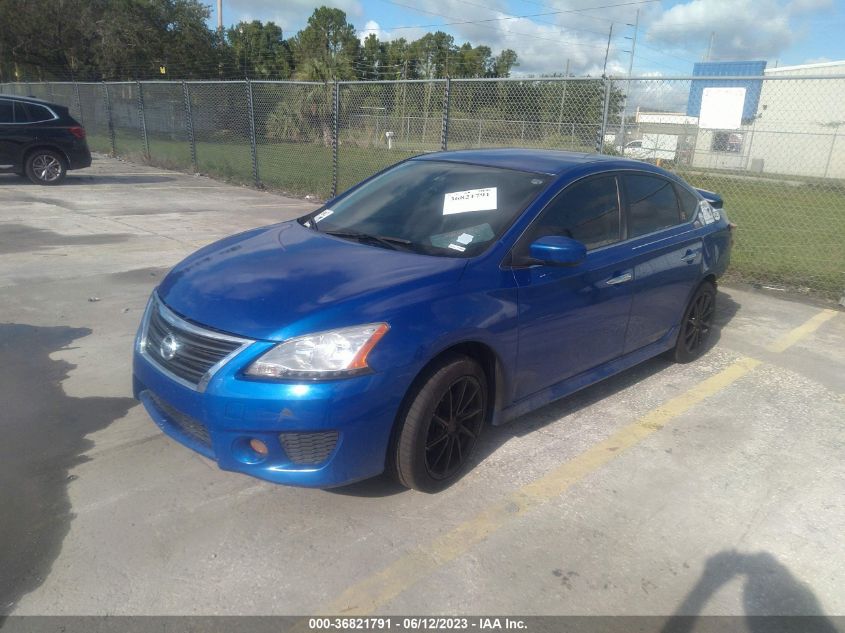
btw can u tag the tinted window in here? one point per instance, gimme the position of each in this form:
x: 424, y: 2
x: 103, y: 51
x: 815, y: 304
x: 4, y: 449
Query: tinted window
x: 38, y: 113
x: 652, y: 204
x: 689, y: 203
x: 6, y: 112
x: 587, y: 211
x: 20, y: 113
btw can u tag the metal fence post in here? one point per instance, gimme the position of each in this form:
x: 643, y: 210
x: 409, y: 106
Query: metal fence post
x: 78, y: 103
x: 189, y: 125
x: 444, y: 128
x: 600, y: 140
x: 110, y: 121
x: 252, y: 140
x: 335, y: 125
x: 142, y: 120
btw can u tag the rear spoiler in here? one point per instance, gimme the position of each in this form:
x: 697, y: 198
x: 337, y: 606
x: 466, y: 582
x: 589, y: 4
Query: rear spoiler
x: 714, y: 199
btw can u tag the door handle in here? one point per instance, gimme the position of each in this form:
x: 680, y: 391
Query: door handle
x: 689, y: 257
x: 619, y: 279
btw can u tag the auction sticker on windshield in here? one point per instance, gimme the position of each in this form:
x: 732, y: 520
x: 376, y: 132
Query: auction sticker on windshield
x: 470, y: 200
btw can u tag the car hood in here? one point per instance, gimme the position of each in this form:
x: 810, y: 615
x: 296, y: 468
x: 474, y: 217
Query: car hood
x: 283, y: 280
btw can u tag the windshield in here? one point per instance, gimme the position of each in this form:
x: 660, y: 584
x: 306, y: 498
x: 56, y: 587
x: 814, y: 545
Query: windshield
x: 432, y: 207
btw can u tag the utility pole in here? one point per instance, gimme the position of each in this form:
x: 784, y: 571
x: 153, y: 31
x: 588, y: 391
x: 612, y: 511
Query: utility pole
x: 220, y: 16
x: 636, y: 26
x: 607, y: 52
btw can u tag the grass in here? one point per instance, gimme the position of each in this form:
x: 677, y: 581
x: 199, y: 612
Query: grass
x: 789, y: 234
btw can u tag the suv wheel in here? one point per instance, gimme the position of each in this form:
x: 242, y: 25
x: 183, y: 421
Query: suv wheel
x: 46, y: 167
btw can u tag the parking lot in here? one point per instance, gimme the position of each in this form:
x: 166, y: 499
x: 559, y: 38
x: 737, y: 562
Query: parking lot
x: 709, y: 488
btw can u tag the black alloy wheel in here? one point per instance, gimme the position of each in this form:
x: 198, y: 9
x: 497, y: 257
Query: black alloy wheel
x: 454, y: 428
x: 437, y: 431
x: 697, y: 324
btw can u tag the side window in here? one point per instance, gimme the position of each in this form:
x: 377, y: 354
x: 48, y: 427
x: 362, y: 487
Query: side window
x: 587, y: 211
x: 7, y: 114
x: 38, y: 113
x: 20, y: 113
x: 689, y: 203
x: 652, y: 204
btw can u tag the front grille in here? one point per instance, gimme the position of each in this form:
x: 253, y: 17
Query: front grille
x: 309, y: 448
x: 185, y: 423
x: 193, y: 350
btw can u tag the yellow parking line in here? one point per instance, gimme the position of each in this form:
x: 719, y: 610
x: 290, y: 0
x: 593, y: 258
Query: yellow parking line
x: 793, y: 336
x: 369, y: 594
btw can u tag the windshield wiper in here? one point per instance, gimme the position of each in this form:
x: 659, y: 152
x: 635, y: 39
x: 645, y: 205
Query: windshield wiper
x: 384, y: 240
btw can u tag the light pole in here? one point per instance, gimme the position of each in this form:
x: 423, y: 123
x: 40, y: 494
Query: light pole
x: 636, y: 26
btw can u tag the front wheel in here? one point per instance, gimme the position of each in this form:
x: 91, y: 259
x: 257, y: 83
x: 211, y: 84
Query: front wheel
x: 46, y: 167
x: 696, y: 324
x: 441, y: 427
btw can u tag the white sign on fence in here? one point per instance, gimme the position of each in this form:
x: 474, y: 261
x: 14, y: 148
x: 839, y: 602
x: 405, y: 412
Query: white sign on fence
x: 721, y: 108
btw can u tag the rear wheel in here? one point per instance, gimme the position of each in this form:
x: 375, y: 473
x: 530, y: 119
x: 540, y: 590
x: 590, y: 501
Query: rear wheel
x: 441, y: 427
x: 697, y: 324
x: 46, y: 167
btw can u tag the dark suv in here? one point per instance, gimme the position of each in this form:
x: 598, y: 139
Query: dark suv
x: 40, y: 140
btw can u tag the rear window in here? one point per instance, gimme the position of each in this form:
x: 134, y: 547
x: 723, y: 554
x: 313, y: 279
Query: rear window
x: 688, y: 201
x: 36, y: 113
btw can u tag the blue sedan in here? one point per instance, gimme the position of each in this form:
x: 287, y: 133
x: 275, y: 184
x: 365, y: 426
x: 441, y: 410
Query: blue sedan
x: 387, y: 329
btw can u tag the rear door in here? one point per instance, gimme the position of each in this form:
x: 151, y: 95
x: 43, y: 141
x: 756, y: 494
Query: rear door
x: 573, y: 318
x: 666, y: 255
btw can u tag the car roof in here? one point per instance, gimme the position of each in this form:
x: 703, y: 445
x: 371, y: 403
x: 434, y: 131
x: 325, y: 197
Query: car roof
x: 546, y: 161
x: 31, y: 100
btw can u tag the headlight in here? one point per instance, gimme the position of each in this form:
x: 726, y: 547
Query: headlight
x: 330, y: 354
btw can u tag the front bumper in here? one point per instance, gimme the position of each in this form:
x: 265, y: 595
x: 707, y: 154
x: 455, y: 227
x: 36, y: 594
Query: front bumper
x: 347, y: 423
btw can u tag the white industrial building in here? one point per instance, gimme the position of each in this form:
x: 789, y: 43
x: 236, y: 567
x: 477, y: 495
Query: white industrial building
x: 771, y: 125
x: 799, y: 128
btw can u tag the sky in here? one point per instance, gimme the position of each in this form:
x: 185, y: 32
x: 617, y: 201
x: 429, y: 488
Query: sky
x: 671, y: 37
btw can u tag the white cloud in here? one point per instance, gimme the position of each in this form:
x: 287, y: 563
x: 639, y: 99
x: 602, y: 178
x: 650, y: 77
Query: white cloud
x: 744, y: 29
x: 543, y: 43
x: 291, y: 15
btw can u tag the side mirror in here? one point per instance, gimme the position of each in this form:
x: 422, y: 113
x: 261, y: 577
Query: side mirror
x: 556, y: 250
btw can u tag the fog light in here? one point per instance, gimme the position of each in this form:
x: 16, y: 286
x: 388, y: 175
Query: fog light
x: 249, y: 450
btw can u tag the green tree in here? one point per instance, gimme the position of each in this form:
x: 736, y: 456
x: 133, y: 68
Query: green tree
x: 259, y: 50
x: 329, y: 41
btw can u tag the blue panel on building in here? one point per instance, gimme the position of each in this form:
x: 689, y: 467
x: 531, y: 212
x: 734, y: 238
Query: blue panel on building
x: 727, y: 69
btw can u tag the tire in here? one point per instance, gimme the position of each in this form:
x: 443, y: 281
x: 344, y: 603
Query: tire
x: 439, y: 430
x: 696, y: 325
x: 46, y: 167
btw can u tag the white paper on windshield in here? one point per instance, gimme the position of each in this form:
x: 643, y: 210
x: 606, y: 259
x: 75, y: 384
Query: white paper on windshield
x: 457, y: 248
x: 470, y: 200
x: 464, y: 238
x: 322, y: 215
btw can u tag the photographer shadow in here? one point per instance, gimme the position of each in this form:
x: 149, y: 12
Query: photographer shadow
x: 774, y: 600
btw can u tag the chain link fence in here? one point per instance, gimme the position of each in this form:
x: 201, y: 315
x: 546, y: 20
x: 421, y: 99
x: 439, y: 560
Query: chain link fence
x: 776, y: 155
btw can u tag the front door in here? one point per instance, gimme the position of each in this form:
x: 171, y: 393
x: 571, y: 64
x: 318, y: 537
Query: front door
x: 572, y: 319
